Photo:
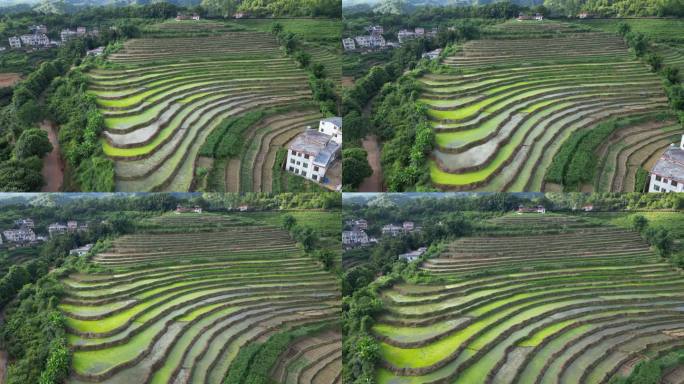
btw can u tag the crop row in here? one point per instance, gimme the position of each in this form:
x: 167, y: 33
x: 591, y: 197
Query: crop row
x: 186, y: 320
x: 569, y: 323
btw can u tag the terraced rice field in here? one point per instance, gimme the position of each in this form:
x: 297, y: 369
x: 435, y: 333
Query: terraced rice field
x: 499, y: 123
x: 577, y: 306
x: 631, y: 148
x: 166, y: 95
x: 316, y: 359
x: 181, y: 299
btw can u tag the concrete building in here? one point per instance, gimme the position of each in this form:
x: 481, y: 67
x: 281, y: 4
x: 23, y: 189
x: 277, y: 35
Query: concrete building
x: 332, y: 126
x: 408, y: 226
x: 537, y: 209
x: 667, y: 175
x: 81, y: 31
x: 21, y: 235
x: 67, y: 34
x: 392, y: 230
x: 81, y: 251
x: 354, y: 237
x: 38, y: 29
x: 57, y: 229
x: 95, y: 52
x: 184, y: 16
x: 348, y: 44
x: 25, y: 223
x: 311, y: 154
x: 14, y: 42
x: 183, y: 209
x: 413, y: 255
x: 432, y: 54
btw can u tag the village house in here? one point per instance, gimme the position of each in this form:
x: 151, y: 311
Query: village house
x: 38, y: 29
x: 354, y: 237
x: 185, y: 16
x: 408, y: 226
x: 359, y: 224
x: 14, y: 42
x: 392, y: 230
x: 332, y: 126
x: 537, y: 209
x: 667, y: 175
x: 95, y: 52
x: 313, y: 152
x: 370, y: 41
x: 584, y: 15
x: 67, y: 34
x: 375, y: 30
x: 81, y: 31
x: 81, y: 251
x: 238, y: 15
x: 56, y: 229
x: 524, y: 16
x: 405, y: 35
x: 25, y: 223
x: 432, y: 54
x: 413, y: 255
x: 72, y: 225
x: 588, y: 208
x: 184, y: 209
x: 21, y: 235
x: 35, y: 40
x: 348, y: 44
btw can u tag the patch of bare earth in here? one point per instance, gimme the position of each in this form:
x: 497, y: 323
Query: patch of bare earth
x: 372, y: 183
x: 9, y: 79
x: 53, y: 166
x: 347, y: 81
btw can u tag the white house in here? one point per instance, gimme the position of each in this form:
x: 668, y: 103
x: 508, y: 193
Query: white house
x: 408, y: 226
x: 27, y: 223
x: 311, y: 154
x: 56, y: 229
x: 537, y: 209
x: 332, y: 126
x: 14, y: 42
x: 413, y: 255
x: 183, y: 209
x: 392, y: 230
x: 22, y: 235
x: 36, y: 40
x: 81, y: 31
x: 405, y: 35
x: 432, y: 54
x: 375, y: 30
x: 667, y: 175
x: 183, y: 16
x: 95, y: 52
x: 67, y: 34
x: 81, y: 251
x: 419, y: 31
x: 348, y: 44
x: 38, y: 29
x: 356, y: 236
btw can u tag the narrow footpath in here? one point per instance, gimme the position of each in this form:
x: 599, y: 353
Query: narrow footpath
x: 53, y: 166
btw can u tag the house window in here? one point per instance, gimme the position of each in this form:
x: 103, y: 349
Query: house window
x: 299, y: 163
x: 673, y: 183
x: 315, y: 177
x: 656, y: 188
x: 296, y: 171
x: 335, y: 135
x: 305, y: 165
x: 299, y: 154
x: 293, y: 152
x: 306, y: 156
x: 316, y: 168
x: 291, y: 161
x: 658, y: 178
x: 291, y: 169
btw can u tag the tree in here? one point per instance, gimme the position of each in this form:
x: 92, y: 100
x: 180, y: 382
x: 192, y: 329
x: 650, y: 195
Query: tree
x: 276, y: 28
x: 671, y: 74
x: 289, y: 222
x: 326, y: 257
x: 655, y: 61
x: 624, y: 29
x: 356, y: 167
x: 21, y: 175
x: 32, y: 142
x: 639, y: 222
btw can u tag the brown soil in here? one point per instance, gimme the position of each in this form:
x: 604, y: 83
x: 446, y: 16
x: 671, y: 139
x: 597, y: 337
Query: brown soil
x: 3, y: 367
x: 9, y: 79
x: 552, y: 187
x: 372, y: 183
x: 53, y: 166
x: 347, y: 81
x: 676, y: 376
x: 233, y: 175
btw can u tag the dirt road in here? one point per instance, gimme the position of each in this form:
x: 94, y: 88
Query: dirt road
x: 372, y: 183
x: 53, y: 166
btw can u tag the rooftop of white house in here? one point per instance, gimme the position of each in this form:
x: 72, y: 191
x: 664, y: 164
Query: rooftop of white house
x: 671, y: 164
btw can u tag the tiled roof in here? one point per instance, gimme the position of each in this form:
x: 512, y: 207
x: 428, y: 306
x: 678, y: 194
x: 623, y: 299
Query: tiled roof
x: 671, y: 164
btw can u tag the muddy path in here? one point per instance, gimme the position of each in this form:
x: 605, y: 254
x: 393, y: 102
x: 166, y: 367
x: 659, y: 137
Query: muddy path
x: 372, y: 183
x: 53, y: 165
